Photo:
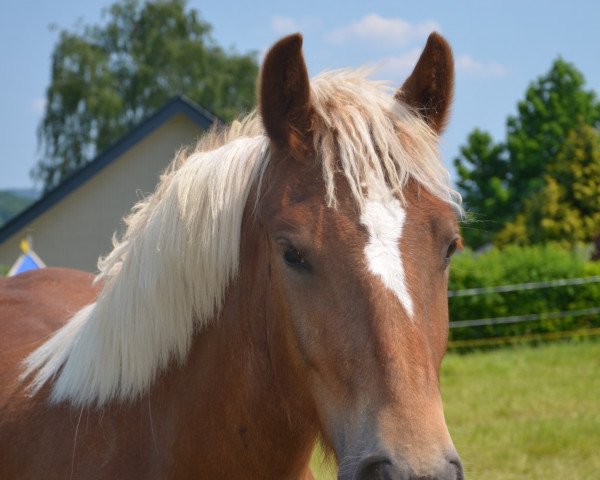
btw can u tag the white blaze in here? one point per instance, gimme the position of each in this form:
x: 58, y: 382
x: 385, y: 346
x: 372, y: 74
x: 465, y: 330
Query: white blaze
x: 384, y: 218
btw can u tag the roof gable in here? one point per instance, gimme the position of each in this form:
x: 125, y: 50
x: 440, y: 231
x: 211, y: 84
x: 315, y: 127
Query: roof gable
x: 177, y: 105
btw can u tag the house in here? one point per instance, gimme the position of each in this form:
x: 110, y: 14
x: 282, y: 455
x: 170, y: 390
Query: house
x: 73, y: 224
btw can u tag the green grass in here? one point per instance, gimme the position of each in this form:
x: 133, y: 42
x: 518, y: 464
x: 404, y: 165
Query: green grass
x: 523, y: 413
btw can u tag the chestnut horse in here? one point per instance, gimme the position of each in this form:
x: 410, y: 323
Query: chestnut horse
x: 286, y: 281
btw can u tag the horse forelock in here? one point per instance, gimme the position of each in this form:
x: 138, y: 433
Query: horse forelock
x: 166, y: 277
x: 363, y: 131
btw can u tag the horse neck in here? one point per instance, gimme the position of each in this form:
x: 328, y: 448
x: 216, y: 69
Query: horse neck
x: 237, y: 388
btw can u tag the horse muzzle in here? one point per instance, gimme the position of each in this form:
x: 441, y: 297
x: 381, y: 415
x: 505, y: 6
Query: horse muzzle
x: 380, y: 467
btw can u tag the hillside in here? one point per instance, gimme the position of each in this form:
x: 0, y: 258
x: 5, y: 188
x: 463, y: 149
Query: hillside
x: 14, y: 201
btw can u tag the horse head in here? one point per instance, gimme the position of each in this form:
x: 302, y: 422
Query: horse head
x: 361, y: 224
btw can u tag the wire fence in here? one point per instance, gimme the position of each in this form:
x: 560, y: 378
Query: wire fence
x: 513, y: 319
x: 524, y: 286
x: 480, y: 322
x: 527, y: 337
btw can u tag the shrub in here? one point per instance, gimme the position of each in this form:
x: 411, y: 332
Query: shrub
x: 514, y: 265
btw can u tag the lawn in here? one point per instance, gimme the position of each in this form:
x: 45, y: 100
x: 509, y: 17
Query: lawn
x: 523, y: 413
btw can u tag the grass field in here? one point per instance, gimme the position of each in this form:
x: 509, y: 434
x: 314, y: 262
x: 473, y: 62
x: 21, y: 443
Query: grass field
x: 523, y: 413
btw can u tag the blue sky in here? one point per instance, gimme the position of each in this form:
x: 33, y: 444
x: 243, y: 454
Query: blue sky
x: 500, y: 46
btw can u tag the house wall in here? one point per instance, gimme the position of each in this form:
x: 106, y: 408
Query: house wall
x: 78, y: 229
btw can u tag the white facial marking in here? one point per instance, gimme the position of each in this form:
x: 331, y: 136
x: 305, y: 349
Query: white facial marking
x: 384, y: 218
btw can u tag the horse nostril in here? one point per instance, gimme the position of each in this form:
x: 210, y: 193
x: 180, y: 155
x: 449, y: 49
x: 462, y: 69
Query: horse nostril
x: 375, y: 467
x: 379, y: 467
x: 458, y: 471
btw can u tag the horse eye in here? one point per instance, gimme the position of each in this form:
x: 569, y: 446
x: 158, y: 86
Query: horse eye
x: 454, y: 245
x: 294, y: 258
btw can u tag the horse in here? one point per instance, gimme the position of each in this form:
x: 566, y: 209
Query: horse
x: 285, y: 284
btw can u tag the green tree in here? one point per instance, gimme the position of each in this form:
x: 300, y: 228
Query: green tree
x: 553, y: 105
x: 567, y: 207
x: 107, y: 78
x: 498, y: 181
x: 482, y: 169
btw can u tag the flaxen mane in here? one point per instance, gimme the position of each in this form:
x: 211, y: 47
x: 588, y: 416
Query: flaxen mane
x: 166, y: 277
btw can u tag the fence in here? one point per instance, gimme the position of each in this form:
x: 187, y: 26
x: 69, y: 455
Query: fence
x: 513, y: 319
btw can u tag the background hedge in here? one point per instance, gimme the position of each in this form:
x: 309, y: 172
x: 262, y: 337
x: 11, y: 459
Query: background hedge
x: 514, y: 265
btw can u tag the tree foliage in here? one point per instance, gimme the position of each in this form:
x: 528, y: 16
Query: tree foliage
x: 553, y: 105
x: 106, y: 78
x: 567, y: 207
x: 501, y: 180
x: 482, y: 172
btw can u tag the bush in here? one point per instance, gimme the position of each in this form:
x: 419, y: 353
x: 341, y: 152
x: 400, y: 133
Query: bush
x: 513, y: 265
x: 3, y: 270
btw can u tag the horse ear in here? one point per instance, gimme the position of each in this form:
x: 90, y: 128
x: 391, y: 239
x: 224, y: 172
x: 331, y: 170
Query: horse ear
x: 430, y: 87
x: 285, y: 94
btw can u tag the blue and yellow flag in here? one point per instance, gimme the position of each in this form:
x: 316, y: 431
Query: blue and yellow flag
x: 28, y: 260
